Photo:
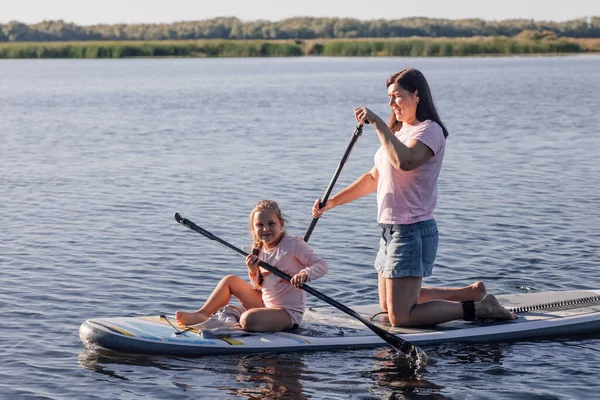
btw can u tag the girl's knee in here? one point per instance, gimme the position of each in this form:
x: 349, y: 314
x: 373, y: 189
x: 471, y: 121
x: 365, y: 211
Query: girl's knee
x: 249, y: 321
x: 244, y: 319
x: 229, y: 279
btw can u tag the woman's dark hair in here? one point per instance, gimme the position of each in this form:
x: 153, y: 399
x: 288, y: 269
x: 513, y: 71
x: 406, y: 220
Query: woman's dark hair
x: 413, y: 80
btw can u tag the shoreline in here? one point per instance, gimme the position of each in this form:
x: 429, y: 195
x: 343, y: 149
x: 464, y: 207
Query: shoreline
x: 363, y: 47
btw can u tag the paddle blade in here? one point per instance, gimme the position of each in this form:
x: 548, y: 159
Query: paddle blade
x: 401, y: 345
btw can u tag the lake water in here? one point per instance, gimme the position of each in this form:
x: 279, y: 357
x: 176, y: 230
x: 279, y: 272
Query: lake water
x: 96, y: 156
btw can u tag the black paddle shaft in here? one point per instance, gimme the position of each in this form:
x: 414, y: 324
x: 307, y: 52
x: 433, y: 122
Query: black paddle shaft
x: 394, y: 341
x: 353, y: 139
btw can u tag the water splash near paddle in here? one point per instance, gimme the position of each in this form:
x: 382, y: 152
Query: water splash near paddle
x: 408, y: 363
x: 395, y: 370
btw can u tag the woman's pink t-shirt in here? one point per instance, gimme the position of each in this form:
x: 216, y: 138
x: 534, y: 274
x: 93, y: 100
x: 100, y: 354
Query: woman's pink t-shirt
x: 291, y: 255
x: 407, y: 197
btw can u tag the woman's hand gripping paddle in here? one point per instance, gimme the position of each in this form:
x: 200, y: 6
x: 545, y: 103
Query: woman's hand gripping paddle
x: 394, y: 341
x: 355, y: 136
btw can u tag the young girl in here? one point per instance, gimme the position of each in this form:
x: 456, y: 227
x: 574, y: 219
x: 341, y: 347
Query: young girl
x: 272, y: 304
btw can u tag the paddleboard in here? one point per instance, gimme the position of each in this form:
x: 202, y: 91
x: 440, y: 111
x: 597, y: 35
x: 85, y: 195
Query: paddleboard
x: 547, y: 315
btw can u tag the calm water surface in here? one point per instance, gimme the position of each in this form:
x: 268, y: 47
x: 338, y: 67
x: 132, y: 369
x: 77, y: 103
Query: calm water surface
x: 96, y: 156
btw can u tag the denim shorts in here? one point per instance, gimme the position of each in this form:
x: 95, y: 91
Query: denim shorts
x: 407, y: 250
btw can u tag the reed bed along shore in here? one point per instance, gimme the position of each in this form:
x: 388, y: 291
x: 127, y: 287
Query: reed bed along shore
x: 407, y: 47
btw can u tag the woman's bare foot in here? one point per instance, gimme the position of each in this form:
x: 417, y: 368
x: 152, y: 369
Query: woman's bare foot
x: 479, y: 291
x: 190, y: 318
x: 490, y: 308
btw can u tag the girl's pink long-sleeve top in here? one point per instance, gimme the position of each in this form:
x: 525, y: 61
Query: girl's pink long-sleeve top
x: 291, y: 255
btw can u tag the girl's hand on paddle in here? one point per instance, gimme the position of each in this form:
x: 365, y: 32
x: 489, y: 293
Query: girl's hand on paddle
x: 317, y: 211
x: 299, y: 279
x: 365, y: 116
x: 252, y: 262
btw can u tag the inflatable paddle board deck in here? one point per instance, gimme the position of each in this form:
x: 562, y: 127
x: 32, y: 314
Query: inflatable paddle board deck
x: 547, y: 314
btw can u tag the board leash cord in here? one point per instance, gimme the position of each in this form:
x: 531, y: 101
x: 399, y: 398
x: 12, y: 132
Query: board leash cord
x: 555, y: 305
x: 177, y: 330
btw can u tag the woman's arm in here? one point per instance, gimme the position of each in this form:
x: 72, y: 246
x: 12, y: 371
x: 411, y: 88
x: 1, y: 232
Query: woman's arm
x: 365, y: 184
x: 402, y: 157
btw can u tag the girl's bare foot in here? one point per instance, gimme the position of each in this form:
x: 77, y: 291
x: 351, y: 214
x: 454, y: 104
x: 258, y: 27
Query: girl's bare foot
x: 479, y: 291
x: 490, y: 308
x: 190, y: 318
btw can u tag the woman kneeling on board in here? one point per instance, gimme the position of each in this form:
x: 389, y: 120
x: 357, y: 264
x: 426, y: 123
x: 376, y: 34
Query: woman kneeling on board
x: 272, y: 304
x: 405, y: 174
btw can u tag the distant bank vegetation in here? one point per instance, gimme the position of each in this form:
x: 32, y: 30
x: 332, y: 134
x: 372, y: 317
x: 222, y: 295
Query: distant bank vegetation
x: 230, y: 37
x: 304, y: 28
x: 408, y: 47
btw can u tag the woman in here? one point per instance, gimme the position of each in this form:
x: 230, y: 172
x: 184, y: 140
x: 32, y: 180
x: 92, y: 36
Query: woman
x: 407, y: 166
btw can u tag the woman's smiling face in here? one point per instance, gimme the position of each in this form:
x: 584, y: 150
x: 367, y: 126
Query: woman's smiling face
x: 403, y: 103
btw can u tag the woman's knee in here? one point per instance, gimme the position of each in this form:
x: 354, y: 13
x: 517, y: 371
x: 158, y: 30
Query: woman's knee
x: 400, y: 317
x: 383, y: 305
x: 399, y: 320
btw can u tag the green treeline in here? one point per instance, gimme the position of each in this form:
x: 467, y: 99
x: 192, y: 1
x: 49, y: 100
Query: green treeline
x: 304, y: 28
x: 416, y: 47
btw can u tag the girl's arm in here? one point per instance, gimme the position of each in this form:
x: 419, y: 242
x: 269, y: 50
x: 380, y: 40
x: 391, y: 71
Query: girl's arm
x: 365, y: 184
x: 315, y: 268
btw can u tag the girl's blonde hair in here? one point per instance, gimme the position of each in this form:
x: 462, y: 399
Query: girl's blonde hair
x: 264, y: 205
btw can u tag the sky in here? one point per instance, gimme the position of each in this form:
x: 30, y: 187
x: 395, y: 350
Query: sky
x: 89, y: 12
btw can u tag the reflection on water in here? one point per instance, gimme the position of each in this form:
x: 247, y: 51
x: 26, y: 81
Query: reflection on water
x: 472, y: 354
x: 99, y: 360
x: 451, y: 372
x: 254, y: 376
x: 271, y: 377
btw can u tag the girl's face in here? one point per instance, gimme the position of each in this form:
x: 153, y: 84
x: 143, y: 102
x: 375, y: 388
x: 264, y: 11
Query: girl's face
x: 267, y: 227
x: 403, y: 103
